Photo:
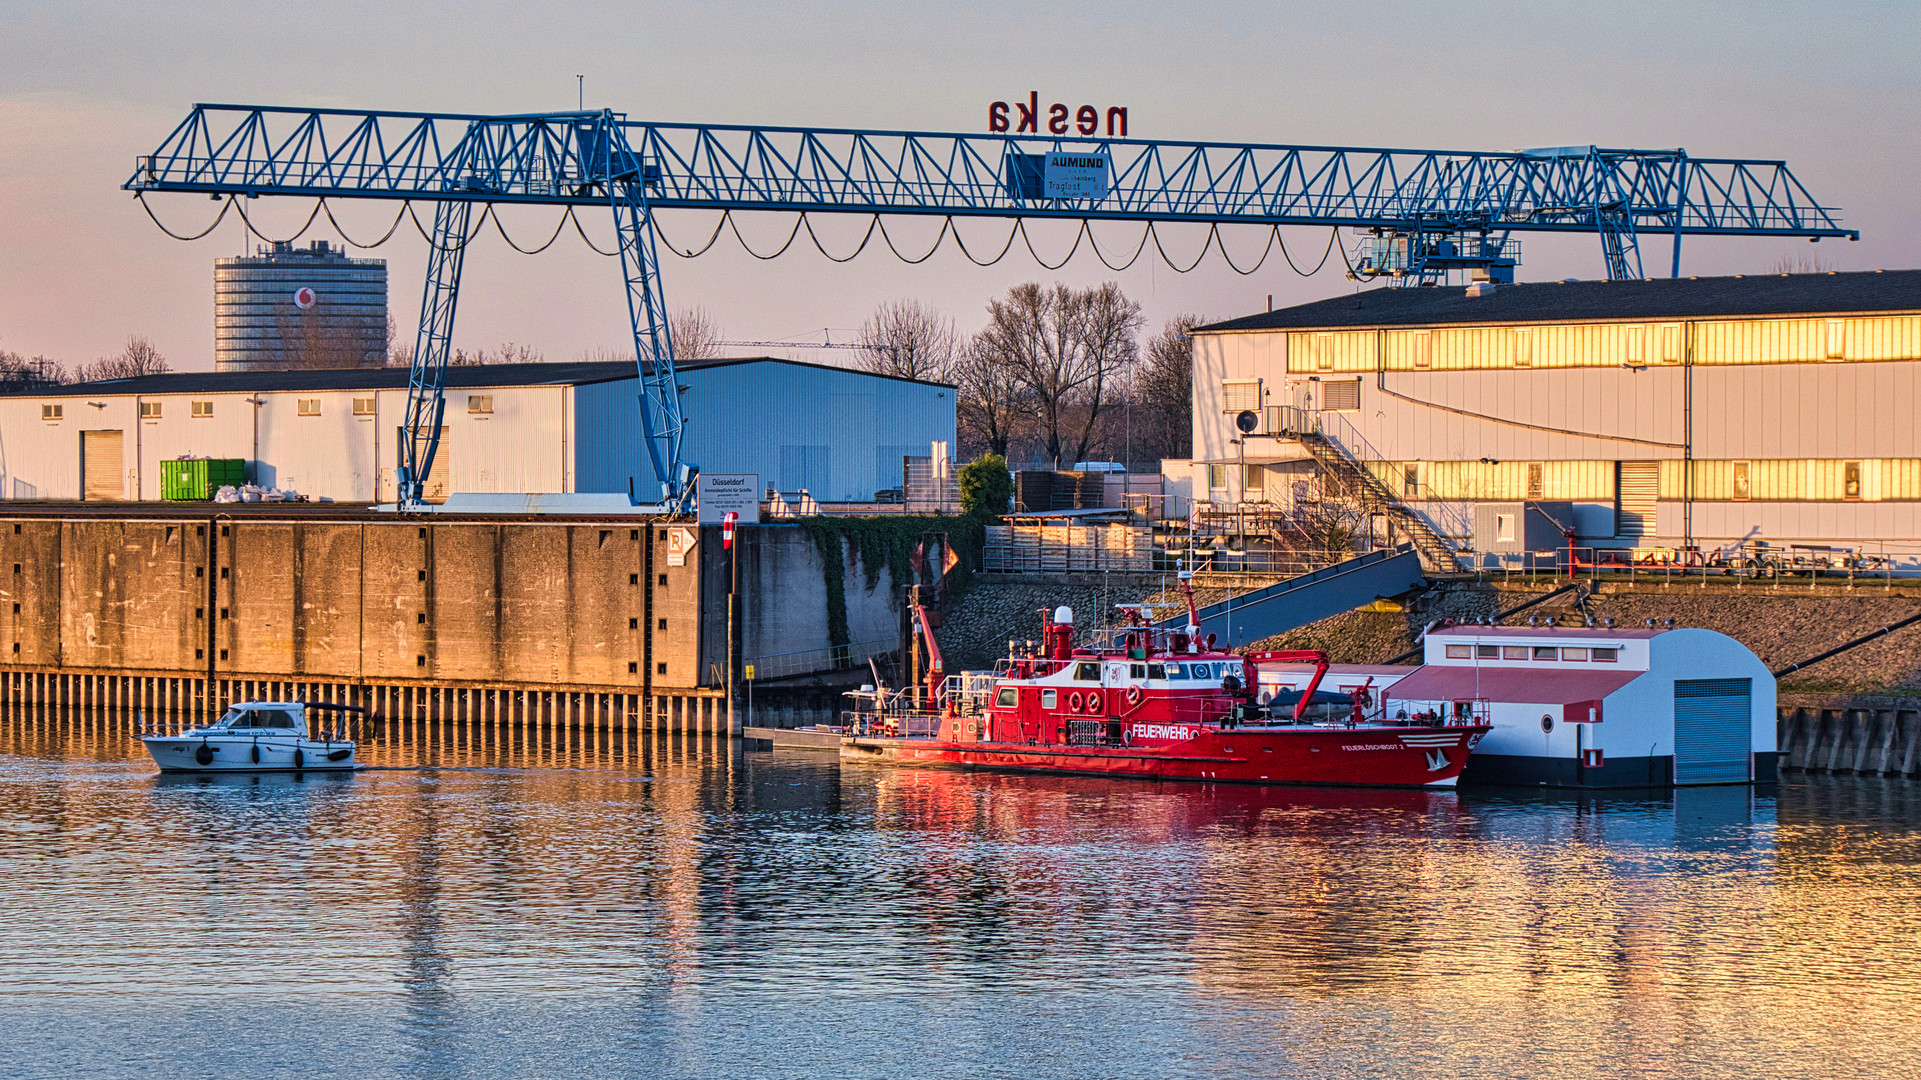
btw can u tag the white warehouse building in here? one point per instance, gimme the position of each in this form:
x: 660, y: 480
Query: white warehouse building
x: 1663, y: 415
x: 331, y: 434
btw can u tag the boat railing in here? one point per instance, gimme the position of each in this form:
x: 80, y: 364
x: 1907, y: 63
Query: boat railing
x: 1446, y: 712
x: 893, y: 725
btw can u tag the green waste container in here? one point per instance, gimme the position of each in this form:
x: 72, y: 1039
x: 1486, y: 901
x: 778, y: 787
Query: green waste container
x: 196, y: 479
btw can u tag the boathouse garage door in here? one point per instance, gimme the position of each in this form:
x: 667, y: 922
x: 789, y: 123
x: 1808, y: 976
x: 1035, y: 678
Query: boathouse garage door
x: 101, y: 463
x: 1713, y: 730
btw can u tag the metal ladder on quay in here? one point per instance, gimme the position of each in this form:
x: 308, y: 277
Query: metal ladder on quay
x: 1367, y: 489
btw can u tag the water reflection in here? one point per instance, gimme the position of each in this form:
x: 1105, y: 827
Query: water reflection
x: 489, y: 903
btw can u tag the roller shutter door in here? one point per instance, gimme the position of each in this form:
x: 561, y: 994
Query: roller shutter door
x: 1713, y: 728
x: 101, y: 465
x: 1637, y: 489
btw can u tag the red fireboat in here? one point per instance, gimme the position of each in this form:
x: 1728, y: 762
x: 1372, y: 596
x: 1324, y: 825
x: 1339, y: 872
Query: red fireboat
x: 1157, y: 703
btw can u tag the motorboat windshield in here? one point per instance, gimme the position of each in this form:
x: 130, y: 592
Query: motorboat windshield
x: 260, y: 719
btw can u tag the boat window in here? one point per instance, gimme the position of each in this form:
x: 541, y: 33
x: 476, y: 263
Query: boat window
x: 1087, y: 671
x: 1050, y: 699
x: 1573, y: 654
x: 274, y: 718
x: 1156, y: 671
x: 1606, y: 656
x: 1005, y: 698
x: 240, y: 719
x: 1514, y: 652
x: 1137, y: 671
x: 1459, y: 652
x: 1487, y: 652
x: 1546, y: 652
x: 1177, y: 671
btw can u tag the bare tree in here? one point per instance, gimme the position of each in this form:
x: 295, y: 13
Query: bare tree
x: 1801, y: 264
x: 911, y: 340
x: 1162, y: 391
x: 1067, y: 347
x: 992, y: 403
x: 695, y: 337
x: 17, y: 371
x: 138, y: 358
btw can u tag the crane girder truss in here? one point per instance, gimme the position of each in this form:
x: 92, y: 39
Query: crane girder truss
x: 602, y: 158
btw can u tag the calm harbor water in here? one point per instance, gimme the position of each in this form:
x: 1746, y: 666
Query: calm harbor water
x: 653, y: 907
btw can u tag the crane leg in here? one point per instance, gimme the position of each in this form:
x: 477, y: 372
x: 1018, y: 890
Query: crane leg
x: 420, y: 430
x: 661, y: 421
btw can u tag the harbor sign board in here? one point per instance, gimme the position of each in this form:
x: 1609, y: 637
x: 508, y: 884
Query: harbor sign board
x: 720, y: 494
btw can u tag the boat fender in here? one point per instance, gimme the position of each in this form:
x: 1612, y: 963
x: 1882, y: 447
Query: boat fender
x: 1074, y: 701
x: 340, y: 755
x: 204, y: 755
x: 255, y: 751
x: 299, y: 758
x: 1134, y: 695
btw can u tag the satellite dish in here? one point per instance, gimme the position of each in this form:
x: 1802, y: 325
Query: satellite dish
x: 1247, y: 420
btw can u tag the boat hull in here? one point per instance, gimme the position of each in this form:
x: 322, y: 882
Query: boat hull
x: 1430, y: 757
x: 175, y: 753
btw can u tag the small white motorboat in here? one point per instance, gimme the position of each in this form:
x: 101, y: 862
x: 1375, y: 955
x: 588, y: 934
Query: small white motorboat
x: 266, y: 736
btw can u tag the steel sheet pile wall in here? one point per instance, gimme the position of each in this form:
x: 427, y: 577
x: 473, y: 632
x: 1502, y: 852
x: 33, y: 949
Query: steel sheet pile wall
x: 505, y: 609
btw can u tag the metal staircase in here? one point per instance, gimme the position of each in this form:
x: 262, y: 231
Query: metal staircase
x: 1341, y: 470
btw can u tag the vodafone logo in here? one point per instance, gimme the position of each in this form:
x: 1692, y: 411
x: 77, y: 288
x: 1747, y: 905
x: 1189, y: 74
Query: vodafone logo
x: 304, y: 298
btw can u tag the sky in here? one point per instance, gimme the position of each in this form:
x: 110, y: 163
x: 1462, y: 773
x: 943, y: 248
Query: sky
x: 86, y: 85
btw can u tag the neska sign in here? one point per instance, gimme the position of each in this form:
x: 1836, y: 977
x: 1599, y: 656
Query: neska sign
x: 1026, y: 118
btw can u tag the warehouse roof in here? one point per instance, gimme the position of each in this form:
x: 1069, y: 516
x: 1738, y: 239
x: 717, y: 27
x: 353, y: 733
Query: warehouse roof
x: 1582, y: 301
x: 395, y: 378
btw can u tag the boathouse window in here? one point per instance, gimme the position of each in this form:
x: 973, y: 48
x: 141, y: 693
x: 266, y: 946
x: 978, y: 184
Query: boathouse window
x: 1087, y: 671
x: 1573, y: 654
x: 1546, y: 652
x: 306, y: 406
x: 1005, y: 698
x: 1606, y: 656
x: 1514, y: 652
x: 1050, y: 699
x: 1487, y: 652
x: 200, y: 410
x: 1459, y: 652
x: 1156, y: 671
x: 51, y: 412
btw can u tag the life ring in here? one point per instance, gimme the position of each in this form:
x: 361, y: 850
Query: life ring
x: 1074, y: 701
x: 1134, y: 695
x: 1094, y: 707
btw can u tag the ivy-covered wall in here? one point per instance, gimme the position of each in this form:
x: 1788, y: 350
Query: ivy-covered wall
x: 881, y: 551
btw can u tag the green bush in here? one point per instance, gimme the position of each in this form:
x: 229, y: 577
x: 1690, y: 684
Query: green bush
x: 985, y: 488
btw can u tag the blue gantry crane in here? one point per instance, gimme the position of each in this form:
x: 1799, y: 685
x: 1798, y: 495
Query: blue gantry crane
x: 1426, y: 212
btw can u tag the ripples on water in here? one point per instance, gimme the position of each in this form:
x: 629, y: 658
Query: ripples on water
x: 666, y: 907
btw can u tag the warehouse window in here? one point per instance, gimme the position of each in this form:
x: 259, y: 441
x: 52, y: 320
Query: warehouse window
x: 1573, y: 653
x: 1523, y: 347
x: 1536, y: 480
x: 1633, y: 334
x: 480, y: 403
x: 1851, y: 480
x: 1487, y: 652
x: 1217, y: 478
x: 1504, y: 528
x: 200, y: 408
x: 363, y: 406
x: 150, y: 410
x: 1514, y: 652
x: 1253, y: 484
x: 1837, y: 339
x: 1459, y: 652
x: 1546, y: 652
x: 1606, y: 656
x: 1240, y: 394
x: 306, y: 406
x: 1422, y: 348
x: 1411, y: 482
x: 50, y: 412
x: 1671, y: 343
x: 1342, y: 396
x: 1740, y: 481
x: 1324, y: 352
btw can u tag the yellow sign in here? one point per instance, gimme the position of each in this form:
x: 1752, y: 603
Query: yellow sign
x: 750, y: 672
